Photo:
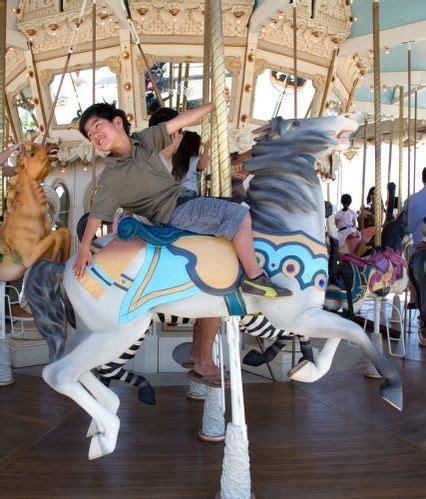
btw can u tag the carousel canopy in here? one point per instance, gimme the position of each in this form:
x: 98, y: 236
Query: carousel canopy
x: 401, y: 26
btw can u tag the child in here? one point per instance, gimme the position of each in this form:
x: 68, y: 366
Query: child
x: 136, y: 178
x: 346, y: 220
x: 187, y: 161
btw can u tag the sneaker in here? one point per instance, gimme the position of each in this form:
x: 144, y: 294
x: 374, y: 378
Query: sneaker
x: 263, y: 286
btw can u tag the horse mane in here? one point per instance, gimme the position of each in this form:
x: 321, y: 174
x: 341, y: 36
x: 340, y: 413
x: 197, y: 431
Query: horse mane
x: 285, y: 182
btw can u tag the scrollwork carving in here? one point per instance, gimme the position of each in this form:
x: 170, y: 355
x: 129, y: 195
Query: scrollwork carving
x: 46, y: 77
x: 233, y: 64
x: 114, y: 64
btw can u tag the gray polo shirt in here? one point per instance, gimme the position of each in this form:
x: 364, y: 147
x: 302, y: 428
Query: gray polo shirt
x: 140, y: 182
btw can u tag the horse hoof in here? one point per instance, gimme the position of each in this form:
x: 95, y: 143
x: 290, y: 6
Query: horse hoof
x: 422, y: 339
x: 93, y: 429
x: 254, y: 358
x: 304, y: 372
x: 104, y: 443
x: 372, y: 373
x: 392, y: 395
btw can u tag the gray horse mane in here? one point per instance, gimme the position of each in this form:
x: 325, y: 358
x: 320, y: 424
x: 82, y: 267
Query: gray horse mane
x: 285, y: 186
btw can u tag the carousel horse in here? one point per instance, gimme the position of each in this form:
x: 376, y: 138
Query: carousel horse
x: 25, y: 235
x: 131, y: 280
x: 417, y: 273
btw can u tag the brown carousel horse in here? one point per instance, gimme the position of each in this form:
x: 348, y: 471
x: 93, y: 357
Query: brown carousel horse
x: 26, y: 235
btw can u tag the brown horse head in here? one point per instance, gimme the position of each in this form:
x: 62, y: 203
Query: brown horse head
x: 36, y: 160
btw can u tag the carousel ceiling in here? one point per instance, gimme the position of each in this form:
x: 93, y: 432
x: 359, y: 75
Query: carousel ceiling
x: 401, y: 25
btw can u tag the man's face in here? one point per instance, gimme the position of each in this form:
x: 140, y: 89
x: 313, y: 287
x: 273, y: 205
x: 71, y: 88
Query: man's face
x: 103, y: 134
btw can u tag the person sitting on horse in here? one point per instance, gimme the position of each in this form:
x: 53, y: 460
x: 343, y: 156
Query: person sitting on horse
x: 346, y: 221
x: 135, y: 178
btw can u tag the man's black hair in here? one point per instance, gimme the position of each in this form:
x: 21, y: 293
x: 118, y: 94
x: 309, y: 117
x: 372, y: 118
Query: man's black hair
x: 162, y: 115
x: 105, y: 111
x: 424, y: 175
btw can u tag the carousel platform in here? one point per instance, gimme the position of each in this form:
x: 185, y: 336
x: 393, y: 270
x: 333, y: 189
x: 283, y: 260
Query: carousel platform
x: 334, y: 438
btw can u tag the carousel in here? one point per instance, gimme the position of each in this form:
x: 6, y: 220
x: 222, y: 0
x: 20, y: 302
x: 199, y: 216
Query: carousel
x: 174, y: 174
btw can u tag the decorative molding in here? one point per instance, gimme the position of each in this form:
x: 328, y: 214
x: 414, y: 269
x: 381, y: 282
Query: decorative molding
x: 233, y: 64
x: 140, y: 65
x: 114, y: 64
x: 259, y: 67
x: 318, y: 82
x: 47, y: 76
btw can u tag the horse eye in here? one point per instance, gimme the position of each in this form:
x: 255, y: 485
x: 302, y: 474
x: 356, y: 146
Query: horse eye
x: 32, y: 154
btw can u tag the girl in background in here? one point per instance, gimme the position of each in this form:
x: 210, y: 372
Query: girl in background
x: 346, y: 221
x: 187, y: 162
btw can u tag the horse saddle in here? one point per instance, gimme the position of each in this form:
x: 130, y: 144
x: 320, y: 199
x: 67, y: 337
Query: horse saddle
x: 129, y: 228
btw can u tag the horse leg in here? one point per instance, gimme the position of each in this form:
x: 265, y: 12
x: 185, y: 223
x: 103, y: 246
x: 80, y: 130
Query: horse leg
x: 309, y: 370
x: 65, y: 244
x: 43, y: 250
x: 65, y: 374
x: 323, y: 324
x: 102, y: 394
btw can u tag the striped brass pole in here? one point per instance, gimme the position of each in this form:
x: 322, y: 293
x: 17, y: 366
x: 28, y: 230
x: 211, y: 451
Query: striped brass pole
x: 390, y: 149
x: 178, y: 87
x: 377, y: 127
x: 10, y: 120
x: 206, y: 122
x: 185, y: 88
x: 218, y: 70
x: 364, y: 166
x: 415, y: 142
x: 351, y: 96
x: 2, y: 120
x: 295, y: 56
x: 409, y: 132
x: 328, y: 82
x: 93, y: 94
x: 400, y: 144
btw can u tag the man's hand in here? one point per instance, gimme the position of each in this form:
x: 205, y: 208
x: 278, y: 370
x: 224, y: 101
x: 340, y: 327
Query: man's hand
x: 84, y: 257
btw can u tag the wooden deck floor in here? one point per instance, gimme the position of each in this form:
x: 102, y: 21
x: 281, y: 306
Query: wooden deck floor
x: 335, y: 438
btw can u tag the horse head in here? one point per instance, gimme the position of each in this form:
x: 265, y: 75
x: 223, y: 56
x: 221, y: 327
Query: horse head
x: 36, y: 160
x: 310, y: 135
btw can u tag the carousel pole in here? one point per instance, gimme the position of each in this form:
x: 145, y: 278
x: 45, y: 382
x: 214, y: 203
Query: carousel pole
x: 206, y: 122
x: 400, y: 146
x: 295, y: 56
x: 415, y: 142
x: 364, y: 166
x: 376, y: 337
x: 93, y: 92
x: 218, y: 70
x: 185, y: 87
x: 6, y: 377
x: 178, y: 89
x: 390, y: 149
x: 409, y: 132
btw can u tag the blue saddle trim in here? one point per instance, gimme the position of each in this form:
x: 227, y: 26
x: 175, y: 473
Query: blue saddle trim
x: 129, y: 228
x: 155, y: 284
x: 235, y: 304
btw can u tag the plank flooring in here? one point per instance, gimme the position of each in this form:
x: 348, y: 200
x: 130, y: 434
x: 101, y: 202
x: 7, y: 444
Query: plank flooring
x: 334, y: 438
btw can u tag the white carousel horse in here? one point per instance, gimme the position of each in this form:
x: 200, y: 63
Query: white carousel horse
x: 198, y: 276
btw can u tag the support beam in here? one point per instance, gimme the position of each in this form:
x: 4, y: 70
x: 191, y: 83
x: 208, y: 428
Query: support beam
x: 328, y: 82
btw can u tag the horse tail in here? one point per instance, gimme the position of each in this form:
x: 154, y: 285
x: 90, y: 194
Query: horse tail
x: 43, y: 293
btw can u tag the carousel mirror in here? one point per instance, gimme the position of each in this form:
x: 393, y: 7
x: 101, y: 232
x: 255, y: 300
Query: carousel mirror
x: 180, y: 84
x: 274, y: 95
x: 26, y: 110
x: 335, y: 106
x: 76, y: 92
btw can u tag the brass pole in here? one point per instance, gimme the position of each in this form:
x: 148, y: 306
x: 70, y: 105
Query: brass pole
x: 71, y: 49
x: 328, y: 82
x: 10, y: 120
x: 364, y: 166
x: 206, y: 122
x: 350, y: 100
x: 415, y: 141
x: 3, y: 5
x: 93, y: 93
x: 185, y: 87
x: 409, y: 133
x: 218, y: 69
x: 178, y: 87
x: 171, y: 83
x: 43, y: 125
x: 390, y: 149
x: 377, y: 127
x: 138, y: 42
x: 400, y: 144
x: 295, y: 56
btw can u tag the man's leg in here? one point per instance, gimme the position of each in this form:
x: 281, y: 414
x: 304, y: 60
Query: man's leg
x: 205, y: 331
